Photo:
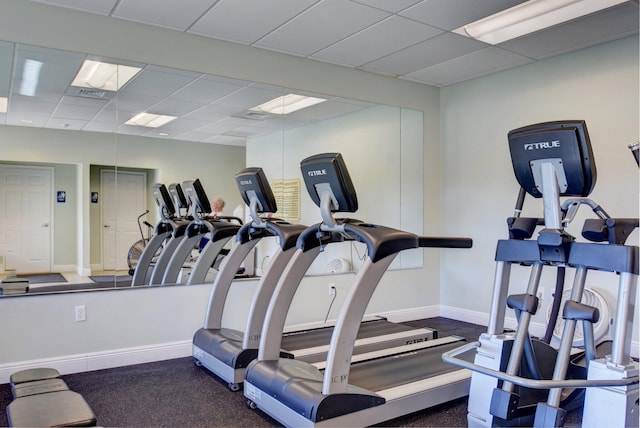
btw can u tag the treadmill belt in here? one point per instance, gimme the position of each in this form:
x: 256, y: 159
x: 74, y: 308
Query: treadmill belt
x: 384, y: 373
x: 312, y: 338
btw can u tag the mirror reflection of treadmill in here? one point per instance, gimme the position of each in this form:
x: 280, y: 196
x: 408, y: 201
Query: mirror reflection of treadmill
x: 177, y: 256
x: 349, y: 389
x: 163, y: 231
x: 226, y: 352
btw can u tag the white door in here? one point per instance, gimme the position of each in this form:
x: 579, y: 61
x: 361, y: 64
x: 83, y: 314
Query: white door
x: 123, y: 200
x: 25, y: 218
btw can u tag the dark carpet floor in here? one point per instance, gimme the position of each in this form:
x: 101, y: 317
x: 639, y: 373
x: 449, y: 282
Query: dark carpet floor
x: 177, y: 393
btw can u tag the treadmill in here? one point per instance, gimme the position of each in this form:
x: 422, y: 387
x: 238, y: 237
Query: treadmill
x: 163, y: 231
x: 349, y: 390
x: 184, y: 239
x: 227, y: 352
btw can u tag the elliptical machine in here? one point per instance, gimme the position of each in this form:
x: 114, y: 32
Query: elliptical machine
x: 517, y: 380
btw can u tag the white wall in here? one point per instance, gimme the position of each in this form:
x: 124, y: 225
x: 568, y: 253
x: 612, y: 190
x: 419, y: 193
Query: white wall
x: 599, y: 85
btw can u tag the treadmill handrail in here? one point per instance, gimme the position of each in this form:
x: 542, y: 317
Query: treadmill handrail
x: 451, y: 358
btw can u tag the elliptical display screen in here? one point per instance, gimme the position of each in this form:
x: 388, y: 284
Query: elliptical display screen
x: 564, y: 143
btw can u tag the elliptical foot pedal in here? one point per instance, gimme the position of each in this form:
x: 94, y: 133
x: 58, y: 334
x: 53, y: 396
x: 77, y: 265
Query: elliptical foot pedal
x: 504, y: 404
x: 549, y: 416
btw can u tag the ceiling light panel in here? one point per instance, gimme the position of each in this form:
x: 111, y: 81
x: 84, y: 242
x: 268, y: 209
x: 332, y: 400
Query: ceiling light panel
x: 150, y: 120
x: 104, y: 75
x: 287, y: 104
x: 4, y: 103
x: 529, y: 17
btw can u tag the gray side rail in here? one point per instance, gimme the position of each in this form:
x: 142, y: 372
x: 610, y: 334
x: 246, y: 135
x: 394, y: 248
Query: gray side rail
x: 451, y: 358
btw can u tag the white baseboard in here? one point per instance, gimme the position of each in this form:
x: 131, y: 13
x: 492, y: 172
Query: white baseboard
x: 166, y: 351
x: 404, y: 315
x: 102, y: 360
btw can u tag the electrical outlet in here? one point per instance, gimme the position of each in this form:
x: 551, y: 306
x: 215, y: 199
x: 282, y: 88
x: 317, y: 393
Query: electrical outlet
x: 332, y: 289
x: 81, y: 313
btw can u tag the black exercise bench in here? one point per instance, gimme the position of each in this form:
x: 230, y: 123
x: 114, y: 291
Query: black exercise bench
x: 42, y: 399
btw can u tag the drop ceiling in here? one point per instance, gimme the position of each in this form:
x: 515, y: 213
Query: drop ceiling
x: 407, y: 39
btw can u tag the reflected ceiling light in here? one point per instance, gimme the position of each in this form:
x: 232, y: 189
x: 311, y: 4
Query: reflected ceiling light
x: 529, y: 17
x: 287, y: 104
x: 150, y: 120
x: 30, y: 77
x: 103, y: 75
x: 4, y: 103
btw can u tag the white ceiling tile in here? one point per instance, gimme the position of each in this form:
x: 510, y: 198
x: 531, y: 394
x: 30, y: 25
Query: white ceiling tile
x: 183, y: 125
x: 227, y: 140
x: 205, y: 90
x: 390, y: 6
x: 99, y: 126
x: 379, y: 40
x: 174, y: 107
x: 210, y: 113
x: 451, y: 14
x: 609, y: 24
x: 174, y: 14
x: 430, y: 52
x: 71, y: 111
x: 132, y: 102
x: 68, y: 124
x: 56, y: 73
x: 248, y: 97
x: 469, y: 66
x: 83, y: 101
x: 156, y: 83
x: 321, y: 25
x: 246, y: 21
x: 102, y: 7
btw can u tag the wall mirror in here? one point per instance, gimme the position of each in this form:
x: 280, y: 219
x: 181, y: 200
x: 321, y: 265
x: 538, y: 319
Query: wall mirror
x: 95, y: 169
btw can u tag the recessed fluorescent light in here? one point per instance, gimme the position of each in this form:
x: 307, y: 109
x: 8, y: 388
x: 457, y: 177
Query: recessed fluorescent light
x: 30, y: 77
x: 103, y: 75
x: 287, y: 104
x: 150, y: 120
x: 529, y: 17
x: 4, y: 103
